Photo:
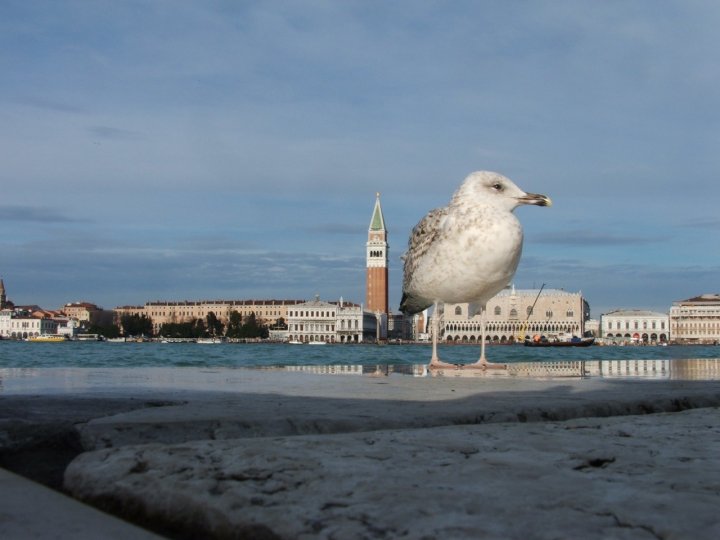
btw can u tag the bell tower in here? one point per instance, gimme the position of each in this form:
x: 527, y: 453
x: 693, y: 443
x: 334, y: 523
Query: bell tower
x: 3, y: 297
x: 376, y: 295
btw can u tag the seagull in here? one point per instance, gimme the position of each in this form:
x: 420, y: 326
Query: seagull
x: 467, y: 251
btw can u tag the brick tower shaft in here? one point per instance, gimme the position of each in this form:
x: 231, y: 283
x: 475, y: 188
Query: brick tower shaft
x: 376, y: 295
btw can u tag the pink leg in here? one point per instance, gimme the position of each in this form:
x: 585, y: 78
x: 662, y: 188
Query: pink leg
x: 435, y: 362
x: 482, y: 362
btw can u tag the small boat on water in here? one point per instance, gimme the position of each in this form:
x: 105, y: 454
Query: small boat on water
x: 47, y: 338
x: 211, y: 340
x: 317, y: 343
x: 544, y: 342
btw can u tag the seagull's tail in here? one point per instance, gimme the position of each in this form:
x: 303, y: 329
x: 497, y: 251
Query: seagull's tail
x: 410, y: 305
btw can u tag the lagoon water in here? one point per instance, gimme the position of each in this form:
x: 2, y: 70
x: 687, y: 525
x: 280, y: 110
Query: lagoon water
x: 14, y: 354
x: 70, y: 367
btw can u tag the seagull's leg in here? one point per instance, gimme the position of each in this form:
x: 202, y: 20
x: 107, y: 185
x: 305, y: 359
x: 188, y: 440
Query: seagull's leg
x: 482, y: 360
x: 435, y: 362
x: 482, y: 363
x: 434, y: 357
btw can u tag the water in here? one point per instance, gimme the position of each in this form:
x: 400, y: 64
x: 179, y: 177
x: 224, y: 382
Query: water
x: 15, y: 354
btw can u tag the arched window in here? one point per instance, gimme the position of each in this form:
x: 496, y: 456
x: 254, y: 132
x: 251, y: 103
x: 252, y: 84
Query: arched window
x: 458, y: 310
x: 498, y: 311
x: 513, y: 313
x: 570, y: 313
x: 529, y: 311
x: 549, y: 313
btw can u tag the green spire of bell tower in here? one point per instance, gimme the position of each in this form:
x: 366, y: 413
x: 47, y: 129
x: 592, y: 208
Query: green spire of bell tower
x: 377, y: 223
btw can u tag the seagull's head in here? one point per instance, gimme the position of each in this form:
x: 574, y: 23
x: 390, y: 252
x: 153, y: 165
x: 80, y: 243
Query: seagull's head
x: 485, y: 187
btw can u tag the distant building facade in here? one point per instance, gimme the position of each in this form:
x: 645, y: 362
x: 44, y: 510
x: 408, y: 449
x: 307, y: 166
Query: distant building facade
x: 635, y: 326
x: 21, y: 325
x: 17, y: 322
x: 327, y: 322
x: 312, y: 321
x: 82, y: 311
x: 515, y: 313
x: 267, y: 312
x: 696, y: 320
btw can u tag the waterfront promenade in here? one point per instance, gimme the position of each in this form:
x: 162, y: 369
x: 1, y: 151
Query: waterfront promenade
x: 291, y: 454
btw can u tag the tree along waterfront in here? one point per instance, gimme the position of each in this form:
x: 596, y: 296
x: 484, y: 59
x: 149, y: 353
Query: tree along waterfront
x: 210, y: 326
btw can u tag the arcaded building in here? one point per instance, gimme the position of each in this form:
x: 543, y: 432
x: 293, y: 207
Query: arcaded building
x: 635, y: 326
x: 515, y: 313
x: 696, y: 320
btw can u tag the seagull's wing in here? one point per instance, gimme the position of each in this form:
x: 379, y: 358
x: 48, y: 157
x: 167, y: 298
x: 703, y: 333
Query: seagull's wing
x: 421, y: 238
x: 425, y: 233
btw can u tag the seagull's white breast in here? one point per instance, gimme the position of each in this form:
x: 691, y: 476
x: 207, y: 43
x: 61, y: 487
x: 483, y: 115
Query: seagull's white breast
x: 473, y: 257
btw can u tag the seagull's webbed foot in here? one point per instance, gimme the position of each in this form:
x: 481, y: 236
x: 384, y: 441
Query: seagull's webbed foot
x: 483, y: 364
x: 436, y: 363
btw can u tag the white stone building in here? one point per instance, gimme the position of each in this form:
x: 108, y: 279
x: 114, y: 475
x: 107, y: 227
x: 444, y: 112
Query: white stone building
x: 515, y: 313
x: 696, y: 320
x: 355, y: 325
x: 19, y: 326
x: 635, y: 326
x: 319, y: 321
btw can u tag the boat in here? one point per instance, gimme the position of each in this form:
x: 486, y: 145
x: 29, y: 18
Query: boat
x: 48, y: 338
x: 317, y: 343
x: 295, y: 342
x: 210, y: 340
x: 544, y: 342
x: 89, y: 337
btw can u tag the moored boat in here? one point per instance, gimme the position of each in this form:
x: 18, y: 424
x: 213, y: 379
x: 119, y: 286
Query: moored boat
x: 48, y: 338
x: 210, y: 340
x: 574, y: 342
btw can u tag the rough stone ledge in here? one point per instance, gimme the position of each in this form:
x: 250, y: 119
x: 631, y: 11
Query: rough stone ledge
x: 636, y: 477
x: 39, y: 433
x: 255, y: 414
x: 266, y: 411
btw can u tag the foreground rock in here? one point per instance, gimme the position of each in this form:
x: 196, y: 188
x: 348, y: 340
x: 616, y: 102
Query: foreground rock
x: 30, y: 510
x: 652, y: 476
x: 279, y: 404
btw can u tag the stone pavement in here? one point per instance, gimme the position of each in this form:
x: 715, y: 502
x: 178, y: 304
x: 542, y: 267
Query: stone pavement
x: 652, y: 476
x: 263, y: 453
x: 32, y: 511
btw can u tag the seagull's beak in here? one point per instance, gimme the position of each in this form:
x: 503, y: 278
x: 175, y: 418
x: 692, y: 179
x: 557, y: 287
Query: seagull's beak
x: 536, y: 199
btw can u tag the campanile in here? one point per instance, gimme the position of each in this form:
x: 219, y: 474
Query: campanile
x: 376, y: 295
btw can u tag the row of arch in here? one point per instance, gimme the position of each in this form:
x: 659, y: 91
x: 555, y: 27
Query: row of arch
x: 514, y: 312
x: 23, y: 335
x: 513, y: 328
x: 646, y: 338
x: 312, y: 338
x: 472, y: 339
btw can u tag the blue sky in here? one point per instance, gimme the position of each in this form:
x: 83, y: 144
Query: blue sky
x: 200, y: 150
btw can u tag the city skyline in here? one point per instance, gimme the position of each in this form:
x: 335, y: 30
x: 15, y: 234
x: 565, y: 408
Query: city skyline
x: 201, y: 151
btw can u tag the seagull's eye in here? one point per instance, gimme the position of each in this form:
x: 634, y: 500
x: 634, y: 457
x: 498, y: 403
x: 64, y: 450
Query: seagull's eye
x: 497, y: 186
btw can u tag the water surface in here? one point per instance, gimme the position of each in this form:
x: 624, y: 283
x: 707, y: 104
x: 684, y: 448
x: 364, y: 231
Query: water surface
x: 14, y: 354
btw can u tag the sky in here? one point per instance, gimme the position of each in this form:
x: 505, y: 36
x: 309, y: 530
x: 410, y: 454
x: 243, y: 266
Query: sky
x: 179, y: 150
